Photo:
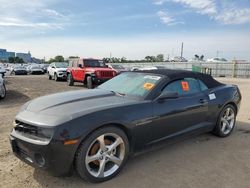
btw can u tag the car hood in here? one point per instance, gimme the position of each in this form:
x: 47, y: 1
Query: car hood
x: 93, y: 69
x: 58, y: 108
x: 61, y: 69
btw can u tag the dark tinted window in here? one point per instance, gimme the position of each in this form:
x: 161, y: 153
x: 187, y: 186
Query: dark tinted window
x: 184, y: 86
x: 202, y: 86
x: 93, y: 63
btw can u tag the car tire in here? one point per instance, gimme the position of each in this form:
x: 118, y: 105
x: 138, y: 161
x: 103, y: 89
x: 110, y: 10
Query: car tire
x: 89, y: 82
x: 94, y: 164
x: 226, y: 121
x: 50, y: 77
x: 56, y: 77
x: 4, y: 93
x: 70, y: 80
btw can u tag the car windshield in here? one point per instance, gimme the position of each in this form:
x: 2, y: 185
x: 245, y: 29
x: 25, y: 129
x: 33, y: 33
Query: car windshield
x: 93, y: 63
x: 35, y: 67
x: 61, y: 65
x: 132, y: 84
x: 117, y: 67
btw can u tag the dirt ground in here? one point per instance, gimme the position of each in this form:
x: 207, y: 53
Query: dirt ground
x: 203, y: 161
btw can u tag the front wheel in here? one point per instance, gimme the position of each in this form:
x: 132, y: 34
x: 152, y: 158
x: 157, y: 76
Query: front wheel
x: 102, y: 155
x: 226, y: 121
x: 89, y: 82
x: 56, y: 77
x: 70, y: 80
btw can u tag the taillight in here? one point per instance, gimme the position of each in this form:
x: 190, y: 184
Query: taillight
x: 114, y: 73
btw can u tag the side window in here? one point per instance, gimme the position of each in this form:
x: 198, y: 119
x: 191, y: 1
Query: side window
x: 75, y: 63
x: 202, y: 86
x: 174, y: 86
x: 184, y: 86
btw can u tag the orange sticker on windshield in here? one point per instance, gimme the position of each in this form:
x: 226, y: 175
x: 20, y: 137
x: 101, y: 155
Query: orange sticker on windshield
x: 185, y: 86
x: 148, y: 86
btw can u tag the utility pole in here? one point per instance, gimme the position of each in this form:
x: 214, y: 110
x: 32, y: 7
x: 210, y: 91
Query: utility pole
x: 181, y: 50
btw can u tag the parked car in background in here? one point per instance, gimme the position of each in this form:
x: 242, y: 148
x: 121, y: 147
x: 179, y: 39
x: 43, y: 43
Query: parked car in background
x: 95, y: 131
x: 2, y: 70
x: 35, y: 69
x: 118, y: 68
x: 44, y: 67
x: 58, y: 70
x: 135, y: 68
x: 91, y: 72
x: 178, y: 59
x: 217, y: 60
x: 152, y: 68
x: 2, y: 88
x: 19, y: 70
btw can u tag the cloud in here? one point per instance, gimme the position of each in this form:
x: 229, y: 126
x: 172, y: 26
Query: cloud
x: 233, y: 16
x: 35, y: 14
x: 224, y: 12
x: 167, y: 19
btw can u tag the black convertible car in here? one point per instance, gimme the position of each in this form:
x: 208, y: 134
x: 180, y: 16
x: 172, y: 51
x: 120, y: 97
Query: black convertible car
x: 95, y: 131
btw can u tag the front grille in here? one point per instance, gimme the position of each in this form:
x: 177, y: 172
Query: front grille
x: 106, y: 74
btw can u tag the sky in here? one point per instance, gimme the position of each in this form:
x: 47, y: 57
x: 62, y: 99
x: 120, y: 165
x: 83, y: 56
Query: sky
x: 126, y: 28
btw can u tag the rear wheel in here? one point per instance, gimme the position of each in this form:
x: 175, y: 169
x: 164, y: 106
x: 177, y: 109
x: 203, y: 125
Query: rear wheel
x: 50, y: 77
x: 89, y: 82
x: 2, y: 96
x: 70, y: 80
x: 226, y: 121
x: 102, y: 155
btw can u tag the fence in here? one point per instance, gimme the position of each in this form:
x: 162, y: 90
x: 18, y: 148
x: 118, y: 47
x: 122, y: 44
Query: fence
x: 232, y: 69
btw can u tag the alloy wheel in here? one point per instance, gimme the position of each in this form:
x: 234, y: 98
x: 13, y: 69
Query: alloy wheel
x: 227, y: 121
x: 105, y: 155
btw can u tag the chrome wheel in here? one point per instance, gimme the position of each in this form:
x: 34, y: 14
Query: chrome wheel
x: 105, y: 155
x: 227, y: 121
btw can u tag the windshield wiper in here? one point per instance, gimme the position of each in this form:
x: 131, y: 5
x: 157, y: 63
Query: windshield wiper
x: 118, y: 93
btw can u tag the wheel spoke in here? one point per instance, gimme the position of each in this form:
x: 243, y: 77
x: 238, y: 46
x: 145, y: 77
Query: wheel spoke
x: 92, y: 158
x: 115, y: 144
x: 115, y: 159
x: 101, y: 142
x: 230, y: 117
x: 227, y: 112
x: 100, y: 173
x: 224, y: 125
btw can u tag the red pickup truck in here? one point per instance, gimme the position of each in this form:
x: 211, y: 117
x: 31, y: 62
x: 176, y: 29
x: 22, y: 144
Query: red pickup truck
x: 88, y: 71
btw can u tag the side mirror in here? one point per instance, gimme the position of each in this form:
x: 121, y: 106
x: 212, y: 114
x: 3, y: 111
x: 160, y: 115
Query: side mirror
x: 168, y: 95
x: 80, y: 65
x: 52, y: 67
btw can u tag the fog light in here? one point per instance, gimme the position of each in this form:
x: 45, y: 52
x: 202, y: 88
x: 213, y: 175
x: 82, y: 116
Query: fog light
x: 39, y: 159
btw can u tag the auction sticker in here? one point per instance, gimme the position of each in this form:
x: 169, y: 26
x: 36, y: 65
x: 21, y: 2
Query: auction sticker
x: 185, y: 86
x: 148, y: 86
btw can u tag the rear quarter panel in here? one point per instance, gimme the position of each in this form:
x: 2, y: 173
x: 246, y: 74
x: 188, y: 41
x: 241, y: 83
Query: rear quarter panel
x: 224, y: 94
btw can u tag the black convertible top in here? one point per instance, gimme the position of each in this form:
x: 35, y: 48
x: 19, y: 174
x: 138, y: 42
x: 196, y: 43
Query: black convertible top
x: 177, y: 74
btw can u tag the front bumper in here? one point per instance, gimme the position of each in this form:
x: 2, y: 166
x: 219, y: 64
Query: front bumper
x: 98, y: 81
x: 53, y: 157
x: 62, y: 75
x: 22, y: 72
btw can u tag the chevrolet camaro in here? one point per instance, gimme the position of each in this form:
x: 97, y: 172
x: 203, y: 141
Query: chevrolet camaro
x: 94, y: 131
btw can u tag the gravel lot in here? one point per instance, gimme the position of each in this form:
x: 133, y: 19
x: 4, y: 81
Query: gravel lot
x: 203, y: 161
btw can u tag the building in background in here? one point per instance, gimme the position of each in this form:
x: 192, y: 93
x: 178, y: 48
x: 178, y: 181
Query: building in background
x: 3, y: 55
x: 10, y: 54
x: 25, y: 56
